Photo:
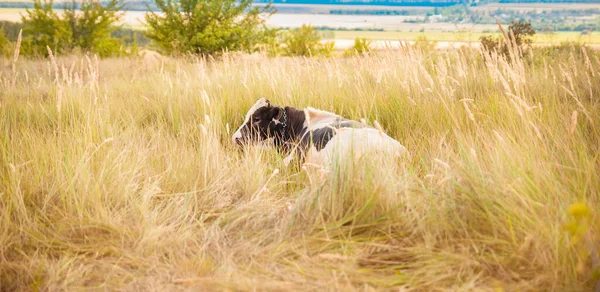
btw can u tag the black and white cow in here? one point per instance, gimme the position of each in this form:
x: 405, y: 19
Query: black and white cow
x: 319, y: 136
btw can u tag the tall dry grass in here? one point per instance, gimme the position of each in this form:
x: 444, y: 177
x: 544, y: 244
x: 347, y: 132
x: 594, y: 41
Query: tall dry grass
x: 120, y: 174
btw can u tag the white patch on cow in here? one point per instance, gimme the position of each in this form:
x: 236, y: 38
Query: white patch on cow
x: 316, y: 119
x: 357, y: 143
x: 260, y: 103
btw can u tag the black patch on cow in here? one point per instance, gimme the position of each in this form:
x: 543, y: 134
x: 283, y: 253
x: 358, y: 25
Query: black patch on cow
x: 320, y: 137
x: 295, y: 123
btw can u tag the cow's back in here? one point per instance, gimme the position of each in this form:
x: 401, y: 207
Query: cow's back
x: 355, y: 143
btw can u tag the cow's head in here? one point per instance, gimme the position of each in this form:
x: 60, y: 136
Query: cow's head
x: 261, y: 123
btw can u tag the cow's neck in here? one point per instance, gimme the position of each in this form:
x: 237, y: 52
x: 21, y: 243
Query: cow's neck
x: 294, y: 127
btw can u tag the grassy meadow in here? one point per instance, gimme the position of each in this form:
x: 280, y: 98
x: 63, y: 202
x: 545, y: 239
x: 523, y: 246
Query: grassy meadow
x: 120, y: 174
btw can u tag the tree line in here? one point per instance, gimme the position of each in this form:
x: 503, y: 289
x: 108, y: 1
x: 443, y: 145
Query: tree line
x: 181, y: 27
x: 205, y: 27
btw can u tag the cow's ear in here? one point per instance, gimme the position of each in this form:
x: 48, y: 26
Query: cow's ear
x: 274, y: 112
x: 268, y: 102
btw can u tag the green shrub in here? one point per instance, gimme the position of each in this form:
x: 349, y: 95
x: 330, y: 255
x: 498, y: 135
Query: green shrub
x: 208, y: 27
x: 327, y: 49
x: 45, y: 28
x: 85, y: 26
x: 361, y: 46
x: 4, y: 45
x: 306, y: 41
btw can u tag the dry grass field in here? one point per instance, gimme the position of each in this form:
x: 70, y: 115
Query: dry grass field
x: 121, y: 174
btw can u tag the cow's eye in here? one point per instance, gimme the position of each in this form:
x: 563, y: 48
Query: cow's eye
x: 255, y: 119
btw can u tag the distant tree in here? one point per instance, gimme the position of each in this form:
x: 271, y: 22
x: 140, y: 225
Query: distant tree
x: 519, y: 35
x: 44, y: 27
x: 209, y: 27
x: 91, y: 27
x: 85, y: 25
